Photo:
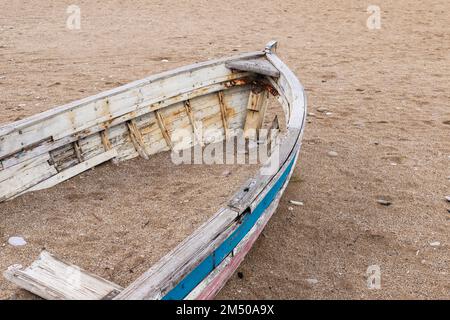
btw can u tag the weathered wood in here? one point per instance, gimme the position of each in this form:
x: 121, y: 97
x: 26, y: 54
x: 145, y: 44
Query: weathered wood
x: 50, y: 145
x: 10, y: 172
x: 260, y: 66
x: 223, y: 113
x: 20, y: 178
x: 81, y: 115
x: 75, y: 170
x: 77, y: 149
x: 256, y: 109
x: 246, y: 196
x: 162, y: 126
x: 105, y: 140
x: 53, y: 279
x: 273, y: 133
x: 293, y: 91
x: 107, y: 144
x: 136, y: 139
x: 190, y: 114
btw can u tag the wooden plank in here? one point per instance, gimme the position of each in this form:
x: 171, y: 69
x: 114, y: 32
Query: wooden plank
x: 98, y: 110
x: 136, y: 139
x: 260, y: 66
x: 273, y: 133
x: 294, y: 92
x: 40, y: 149
x: 15, y: 170
x: 53, y: 279
x: 162, y: 127
x: 223, y: 113
x: 24, y: 178
x: 50, y: 145
x: 75, y: 170
x: 105, y: 140
x: 256, y: 108
x: 190, y: 114
x: 245, y: 197
x: 253, y: 101
x: 107, y: 143
x: 77, y: 149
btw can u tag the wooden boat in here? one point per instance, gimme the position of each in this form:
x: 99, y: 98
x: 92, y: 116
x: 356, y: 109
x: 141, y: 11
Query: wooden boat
x: 139, y: 119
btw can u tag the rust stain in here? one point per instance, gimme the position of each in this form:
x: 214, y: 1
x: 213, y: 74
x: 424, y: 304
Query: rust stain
x: 260, y: 85
x: 237, y: 82
x: 230, y: 112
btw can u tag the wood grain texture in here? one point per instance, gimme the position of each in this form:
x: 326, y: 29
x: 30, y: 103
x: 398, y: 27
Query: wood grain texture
x: 53, y: 279
x: 260, y: 66
x: 75, y: 170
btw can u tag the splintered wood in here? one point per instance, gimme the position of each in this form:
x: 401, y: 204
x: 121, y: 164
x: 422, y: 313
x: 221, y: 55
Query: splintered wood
x: 52, y: 279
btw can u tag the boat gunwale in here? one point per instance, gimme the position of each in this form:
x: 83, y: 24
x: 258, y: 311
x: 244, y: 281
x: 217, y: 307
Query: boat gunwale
x: 33, y: 119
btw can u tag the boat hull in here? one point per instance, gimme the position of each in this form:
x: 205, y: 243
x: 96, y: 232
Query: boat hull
x: 139, y: 119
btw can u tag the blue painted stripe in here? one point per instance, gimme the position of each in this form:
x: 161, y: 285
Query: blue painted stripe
x: 191, y: 280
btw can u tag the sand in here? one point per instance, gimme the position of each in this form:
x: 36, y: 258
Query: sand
x: 386, y: 90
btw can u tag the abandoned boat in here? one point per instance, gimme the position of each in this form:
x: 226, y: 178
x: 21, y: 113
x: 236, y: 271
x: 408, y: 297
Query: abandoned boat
x: 143, y: 118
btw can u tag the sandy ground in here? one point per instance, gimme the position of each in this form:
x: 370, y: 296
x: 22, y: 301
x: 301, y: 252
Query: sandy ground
x: 387, y: 96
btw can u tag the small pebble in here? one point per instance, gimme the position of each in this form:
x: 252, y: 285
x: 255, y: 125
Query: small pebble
x: 322, y: 109
x: 17, y: 241
x: 164, y: 60
x: 296, y: 203
x: 447, y: 198
x: 435, y: 244
x: 226, y: 173
x: 290, y: 208
x: 384, y: 202
x: 332, y: 153
x: 312, y: 281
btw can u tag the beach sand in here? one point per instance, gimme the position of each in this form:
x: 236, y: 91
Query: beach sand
x: 378, y: 98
